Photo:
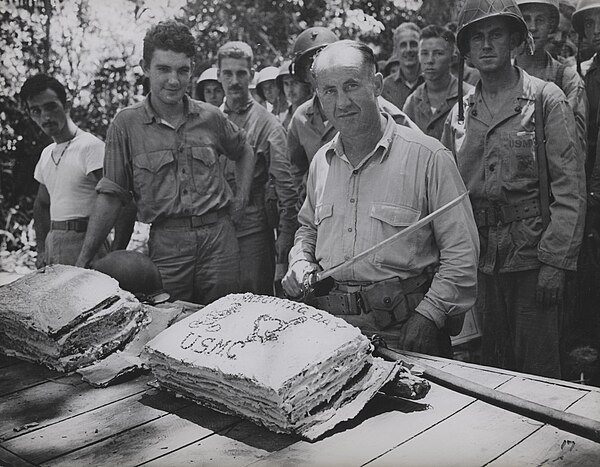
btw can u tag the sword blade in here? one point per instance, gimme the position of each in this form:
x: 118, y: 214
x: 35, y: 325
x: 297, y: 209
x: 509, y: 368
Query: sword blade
x: 319, y: 276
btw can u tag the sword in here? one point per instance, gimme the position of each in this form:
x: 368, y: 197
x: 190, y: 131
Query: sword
x: 313, y: 278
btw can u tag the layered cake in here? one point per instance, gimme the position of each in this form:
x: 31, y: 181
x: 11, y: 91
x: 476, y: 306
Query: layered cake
x: 66, y: 317
x: 282, y: 364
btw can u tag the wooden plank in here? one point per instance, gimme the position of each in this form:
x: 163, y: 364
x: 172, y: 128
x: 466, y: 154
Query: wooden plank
x: 7, y: 458
x: 48, y: 403
x: 552, y: 395
x: 481, y: 432
x: 93, y: 426
x: 378, y: 428
x: 23, y: 375
x: 473, y: 436
x: 239, y: 445
x: 550, y: 446
x: 150, y: 440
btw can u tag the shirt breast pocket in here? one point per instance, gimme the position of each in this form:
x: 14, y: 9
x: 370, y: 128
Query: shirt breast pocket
x: 154, y: 176
x: 204, y: 168
x: 520, y: 161
x: 387, y: 220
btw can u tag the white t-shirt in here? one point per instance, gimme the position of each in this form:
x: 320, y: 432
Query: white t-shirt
x: 70, y: 183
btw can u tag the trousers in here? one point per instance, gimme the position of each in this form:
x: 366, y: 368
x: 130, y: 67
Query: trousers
x: 257, y: 262
x: 64, y: 246
x: 197, y: 264
x: 517, y: 333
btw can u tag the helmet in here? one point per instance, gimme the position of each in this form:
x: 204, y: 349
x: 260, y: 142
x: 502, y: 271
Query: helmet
x: 307, y: 44
x: 579, y: 14
x: 284, y: 70
x: 134, y: 271
x: 476, y: 10
x: 268, y: 73
x: 554, y: 9
x: 210, y: 74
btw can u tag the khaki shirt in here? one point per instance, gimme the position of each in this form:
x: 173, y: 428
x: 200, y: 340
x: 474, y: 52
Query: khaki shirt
x: 349, y: 209
x: 172, y: 172
x: 268, y: 140
x: 418, y: 108
x: 573, y: 86
x: 308, y: 131
x: 497, y: 159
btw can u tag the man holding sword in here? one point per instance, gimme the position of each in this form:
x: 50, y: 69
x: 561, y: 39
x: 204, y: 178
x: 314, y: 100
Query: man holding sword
x: 372, y: 181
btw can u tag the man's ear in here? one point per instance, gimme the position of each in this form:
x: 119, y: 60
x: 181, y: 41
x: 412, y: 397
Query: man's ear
x: 68, y: 105
x: 145, y: 67
x: 378, y: 82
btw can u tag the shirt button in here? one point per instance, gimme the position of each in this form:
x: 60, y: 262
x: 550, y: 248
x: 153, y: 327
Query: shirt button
x: 185, y: 192
x: 349, y: 229
x: 492, y: 167
x: 352, y: 200
x: 354, y: 172
x: 182, y: 171
x: 181, y: 149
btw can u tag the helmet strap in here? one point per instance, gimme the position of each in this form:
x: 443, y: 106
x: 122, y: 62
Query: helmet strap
x: 461, y: 73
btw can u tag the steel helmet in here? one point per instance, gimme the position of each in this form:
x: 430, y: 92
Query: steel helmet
x: 307, y: 44
x: 477, y: 10
x: 210, y: 74
x: 268, y: 73
x: 554, y: 10
x: 284, y: 70
x: 134, y: 271
x: 583, y: 6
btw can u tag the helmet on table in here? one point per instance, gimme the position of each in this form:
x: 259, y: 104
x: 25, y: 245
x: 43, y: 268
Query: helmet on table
x: 135, y: 273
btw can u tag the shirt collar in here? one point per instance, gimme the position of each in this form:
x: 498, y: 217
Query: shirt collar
x: 190, y: 107
x: 336, y: 148
x: 243, y: 110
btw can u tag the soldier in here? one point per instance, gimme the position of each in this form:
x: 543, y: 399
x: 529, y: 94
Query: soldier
x: 527, y: 240
x: 542, y: 18
x: 267, y: 88
x: 429, y: 105
x: 67, y: 171
x: 372, y: 180
x: 268, y: 138
x: 208, y: 88
x: 309, y: 128
x: 398, y: 86
x: 164, y: 152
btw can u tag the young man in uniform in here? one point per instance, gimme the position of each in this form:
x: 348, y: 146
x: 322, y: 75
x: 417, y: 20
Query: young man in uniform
x: 398, y: 86
x: 429, y: 105
x: 208, y: 88
x: 268, y: 138
x: 164, y: 150
x: 67, y: 171
x: 371, y: 181
x: 528, y: 241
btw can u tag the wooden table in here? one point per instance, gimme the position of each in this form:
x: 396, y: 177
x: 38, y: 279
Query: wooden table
x: 50, y: 418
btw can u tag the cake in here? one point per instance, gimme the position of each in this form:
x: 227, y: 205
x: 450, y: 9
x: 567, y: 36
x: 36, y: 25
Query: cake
x: 285, y: 365
x: 66, y: 317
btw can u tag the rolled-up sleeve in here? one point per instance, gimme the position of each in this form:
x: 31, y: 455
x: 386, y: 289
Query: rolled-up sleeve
x: 117, y: 179
x: 454, y: 287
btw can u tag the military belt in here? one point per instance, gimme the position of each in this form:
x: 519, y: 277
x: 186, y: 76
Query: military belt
x: 77, y: 225
x: 192, y: 222
x: 505, y: 214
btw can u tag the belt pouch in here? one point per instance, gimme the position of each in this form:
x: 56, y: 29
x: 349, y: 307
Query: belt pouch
x: 387, y: 302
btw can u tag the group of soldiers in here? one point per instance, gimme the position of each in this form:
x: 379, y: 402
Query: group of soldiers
x: 264, y: 180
